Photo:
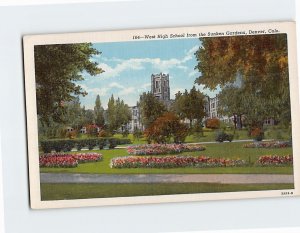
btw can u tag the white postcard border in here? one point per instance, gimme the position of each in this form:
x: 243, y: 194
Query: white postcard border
x: 127, y: 35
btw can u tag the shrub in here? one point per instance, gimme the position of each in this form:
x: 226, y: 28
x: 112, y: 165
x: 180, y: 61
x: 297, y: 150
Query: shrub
x: 67, y: 145
x: 213, y: 123
x: 80, y: 145
x: 46, y: 146
x: 103, y: 133
x: 166, y: 127
x: 101, y: 143
x: 222, y: 136
x: 112, y: 143
x: 91, y: 143
x: 257, y: 134
x: 137, y: 133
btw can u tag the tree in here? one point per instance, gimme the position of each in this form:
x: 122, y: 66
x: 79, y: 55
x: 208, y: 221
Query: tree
x: 99, y: 112
x: 118, y: 114
x: 165, y: 127
x: 111, y: 114
x: 230, y: 104
x: 57, y: 68
x: 151, y: 108
x: 261, y: 62
x: 190, y: 105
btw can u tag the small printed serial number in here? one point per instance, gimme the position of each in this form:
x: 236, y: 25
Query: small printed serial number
x: 287, y: 193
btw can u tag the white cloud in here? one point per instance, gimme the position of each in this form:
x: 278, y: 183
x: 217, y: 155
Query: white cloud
x: 117, y: 85
x: 139, y: 64
x: 127, y: 91
x: 190, y: 54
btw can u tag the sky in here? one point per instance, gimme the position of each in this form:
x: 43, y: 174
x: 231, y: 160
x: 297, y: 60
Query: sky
x: 128, y: 67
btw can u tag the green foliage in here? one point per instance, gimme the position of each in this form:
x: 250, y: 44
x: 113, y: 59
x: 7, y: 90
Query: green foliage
x: 57, y: 68
x: 137, y: 133
x: 99, y: 112
x: 61, y: 145
x: 112, y: 143
x: 253, y: 73
x: 221, y: 136
x: 166, y: 127
x: 151, y: 108
x: 118, y: 114
x: 189, y: 105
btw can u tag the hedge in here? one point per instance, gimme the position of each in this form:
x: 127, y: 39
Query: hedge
x: 65, y: 145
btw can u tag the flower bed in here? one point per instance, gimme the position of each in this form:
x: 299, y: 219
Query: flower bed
x: 275, y: 160
x: 67, y: 160
x: 87, y: 157
x: 271, y: 144
x: 173, y: 162
x: 161, y: 149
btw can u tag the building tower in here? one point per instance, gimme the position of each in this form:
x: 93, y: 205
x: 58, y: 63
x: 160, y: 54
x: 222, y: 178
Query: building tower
x: 160, y: 87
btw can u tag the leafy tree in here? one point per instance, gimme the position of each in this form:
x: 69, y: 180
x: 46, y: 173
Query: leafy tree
x: 118, y: 114
x: 261, y: 62
x: 230, y: 104
x: 99, y: 112
x: 166, y: 127
x: 123, y: 114
x: 151, y: 108
x: 190, y: 105
x: 57, y: 68
x: 89, y: 117
x: 111, y: 114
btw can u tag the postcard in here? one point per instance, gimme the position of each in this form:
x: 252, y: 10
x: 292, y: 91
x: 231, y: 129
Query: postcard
x: 162, y: 115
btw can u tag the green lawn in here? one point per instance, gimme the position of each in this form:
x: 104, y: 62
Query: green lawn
x: 83, y: 191
x: 226, y: 150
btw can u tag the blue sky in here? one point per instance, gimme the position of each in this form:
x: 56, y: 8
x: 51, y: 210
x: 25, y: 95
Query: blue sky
x: 128, y: 67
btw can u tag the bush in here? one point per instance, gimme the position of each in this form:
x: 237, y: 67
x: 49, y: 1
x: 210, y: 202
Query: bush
x: 67, y: 145
x: 222, y: 136
x: 137, y: 133
x: 112, y: 143
x: 213, y: 123
x: 257, y: 134
x: 91, y: 143
x: 46, y: 146
x: 101, y: 143
x: 166, y: 127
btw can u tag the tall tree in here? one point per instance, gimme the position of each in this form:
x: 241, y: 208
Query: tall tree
x: 261, y: 61
x: 151, y: 108
x: 57, y: 68
x: 99, y: 112
x: 231, y: 104
x: 190, y: 105
x: 111, y: 114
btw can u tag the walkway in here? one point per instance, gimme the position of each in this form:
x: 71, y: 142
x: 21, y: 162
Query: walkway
x: 167, y: 178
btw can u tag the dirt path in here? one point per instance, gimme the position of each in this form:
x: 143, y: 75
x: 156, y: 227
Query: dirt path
x: 168, y: 178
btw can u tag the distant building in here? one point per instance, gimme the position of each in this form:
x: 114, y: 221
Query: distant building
x: 160, y: 88
x: 136, y: 121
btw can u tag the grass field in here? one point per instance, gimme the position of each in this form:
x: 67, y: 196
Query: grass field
x: 226, y: 150
x: 83, y: 191
x: 271, y: 132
